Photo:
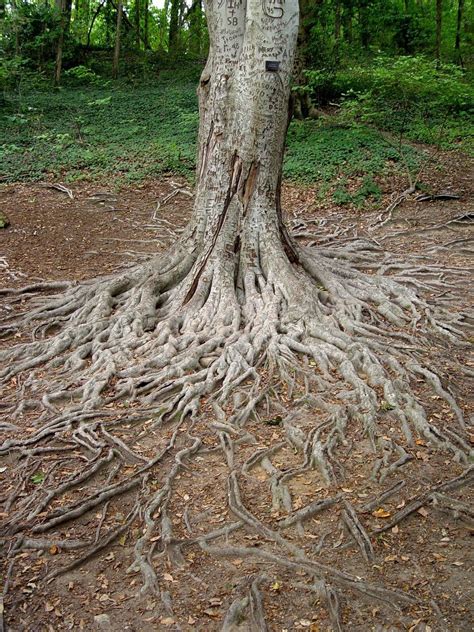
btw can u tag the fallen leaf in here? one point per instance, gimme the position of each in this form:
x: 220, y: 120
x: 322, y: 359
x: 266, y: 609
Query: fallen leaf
x: 276, y: 586
x: 381, y: 513
x: 215, y: 601
x: 167, y: 621
x: 423, y: 512
x: 168, y: 578
x: 395, y: 529
x: 38, y: 478
x: 53, y: 550
x: 237, y: 562
x: 191, y: 620
x: 48, y: 607
x: 298, y: 503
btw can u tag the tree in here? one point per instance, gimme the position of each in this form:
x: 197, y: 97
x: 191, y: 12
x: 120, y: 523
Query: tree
x: 137, y: 17
x: 234, y: 311
x: 146, y: 14
x: 64, y: 10
x: 457, y: 43
x: 116, y: 59
x: 173, y: 31
x: 439, y: 25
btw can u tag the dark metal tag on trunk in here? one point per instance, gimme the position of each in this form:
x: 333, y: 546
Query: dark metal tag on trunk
x: 272, y: 66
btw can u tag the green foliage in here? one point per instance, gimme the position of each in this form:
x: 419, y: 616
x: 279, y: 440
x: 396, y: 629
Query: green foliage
x: 407, y: 95
x: 31, y: 32
x: 81, y: 76
x: 4, y: 221
x: 11, y: 70
x: 368, y: 190
x: 322, y: 150
x: 99, y: 131
x: 38, y: 478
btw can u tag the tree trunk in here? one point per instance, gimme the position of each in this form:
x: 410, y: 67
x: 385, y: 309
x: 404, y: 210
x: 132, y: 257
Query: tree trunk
x: 146, y: 11
x: 457, y: 43
x: 195, y: 28
x: 173, y: 32
x: 115, y: 64
x: 244, y: 95
x: 91, y: 25
x: 61, y: 6
x: 301, y: 100
x: 137, y: 23
x: 15, y: 26
x: 439, y: 24
x: 337, y: 21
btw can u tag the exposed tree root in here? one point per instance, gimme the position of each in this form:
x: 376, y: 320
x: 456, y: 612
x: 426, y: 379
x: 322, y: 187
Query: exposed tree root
x: 178, y: 333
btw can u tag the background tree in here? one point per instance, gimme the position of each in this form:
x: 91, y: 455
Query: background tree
x: 116, y: 60
x: 439, y: 24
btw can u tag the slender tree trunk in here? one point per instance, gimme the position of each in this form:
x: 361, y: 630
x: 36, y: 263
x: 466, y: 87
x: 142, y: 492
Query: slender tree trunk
x: 137, y: 23
x: 173, y: 32
x: 337, y: 20
x: 115, y: 64
x: 195, y: 28
x: 146, y: 11
x: 301, y: 100
x: 457, y: 43
x: 15, y: 26
x: 61, y: 6
x: 348, y: 25
x: 439, y: 24
x: 91, y: 26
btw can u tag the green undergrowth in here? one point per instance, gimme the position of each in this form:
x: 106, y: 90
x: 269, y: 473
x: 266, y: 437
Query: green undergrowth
x: 413, y: 96
x: 128, y: 133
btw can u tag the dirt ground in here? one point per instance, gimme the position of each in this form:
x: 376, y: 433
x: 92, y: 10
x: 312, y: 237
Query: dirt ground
x: 428, y: 555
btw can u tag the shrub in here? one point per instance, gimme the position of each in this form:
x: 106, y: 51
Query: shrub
x: 81, y: 75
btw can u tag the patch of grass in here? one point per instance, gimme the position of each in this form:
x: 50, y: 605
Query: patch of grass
x: 132, y: 132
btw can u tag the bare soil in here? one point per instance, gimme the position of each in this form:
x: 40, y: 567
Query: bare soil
x: 428, y: 555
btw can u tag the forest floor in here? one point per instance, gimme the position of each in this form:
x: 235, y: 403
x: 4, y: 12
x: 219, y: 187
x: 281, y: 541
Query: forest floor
x: 427, y: 555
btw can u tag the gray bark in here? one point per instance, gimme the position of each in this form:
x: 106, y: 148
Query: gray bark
x: 244, y: 117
